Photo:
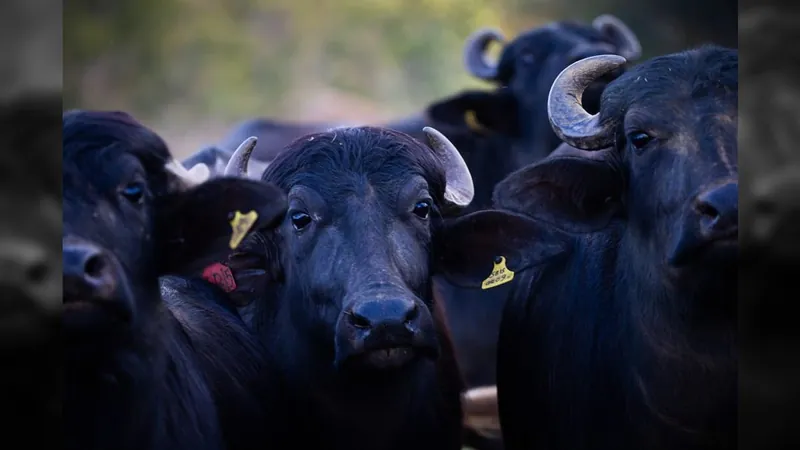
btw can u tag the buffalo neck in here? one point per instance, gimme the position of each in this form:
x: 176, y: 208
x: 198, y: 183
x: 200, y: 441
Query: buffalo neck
x: 132, y: 392
x: 616, y: 364
x: 681, y: 341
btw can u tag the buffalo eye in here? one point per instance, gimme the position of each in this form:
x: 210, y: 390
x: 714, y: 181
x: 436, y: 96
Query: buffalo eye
x: 300, y: 220
x: 133, y: 192
x: 639, y: 139
x: 422, y: 209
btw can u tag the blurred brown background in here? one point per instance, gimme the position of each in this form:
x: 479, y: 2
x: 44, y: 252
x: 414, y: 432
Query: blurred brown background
x: 192, y: 68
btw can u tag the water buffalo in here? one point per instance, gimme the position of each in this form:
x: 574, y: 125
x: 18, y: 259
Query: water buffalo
x: 620, y: 330
x: 342, y: 291
x: 527, y: 67
x: 175, y: 369
x: 502, y: 130
x: 30, y: 125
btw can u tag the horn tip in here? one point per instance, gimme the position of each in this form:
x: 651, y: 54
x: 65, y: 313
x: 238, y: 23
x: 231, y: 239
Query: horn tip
x: 609, y: 58
x: 430, y: 131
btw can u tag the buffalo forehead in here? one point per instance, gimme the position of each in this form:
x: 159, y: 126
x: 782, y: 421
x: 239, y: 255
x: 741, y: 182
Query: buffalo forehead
x: 345, y: 164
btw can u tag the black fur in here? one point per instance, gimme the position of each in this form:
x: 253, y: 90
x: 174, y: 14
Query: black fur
x: 516, y: 132
x: 359, y: 185
x: 180, y: 371
x: 621, y: 329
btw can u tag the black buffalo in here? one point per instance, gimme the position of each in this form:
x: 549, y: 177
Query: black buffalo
x: 175, y: 369
x: 342, y: 292
x: 621, y: 329
x: 502, y: 130
x: 30, y: 126
x: 524, y: 73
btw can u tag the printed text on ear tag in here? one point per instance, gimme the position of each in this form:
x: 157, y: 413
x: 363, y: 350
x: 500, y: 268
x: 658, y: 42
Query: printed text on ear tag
x: 220, y: 275
x: 500, y: 274
x: 241, y: 224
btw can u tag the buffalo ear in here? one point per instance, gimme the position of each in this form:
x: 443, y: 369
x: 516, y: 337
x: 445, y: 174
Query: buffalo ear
x: 476, y: 111
x: 628, y: 45
x: 576, y: 191
x: 194, y: 227
x: 465, y: 249
x: 212, y: 157
x: 255, y: 267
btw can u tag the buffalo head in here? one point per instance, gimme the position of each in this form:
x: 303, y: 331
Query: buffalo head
x: 523, y: 75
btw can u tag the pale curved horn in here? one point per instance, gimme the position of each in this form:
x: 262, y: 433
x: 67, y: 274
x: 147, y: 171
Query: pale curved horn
x: 459, y: 189
x: 237, y: 165
x: 475, y: 53
x: 570, y: 121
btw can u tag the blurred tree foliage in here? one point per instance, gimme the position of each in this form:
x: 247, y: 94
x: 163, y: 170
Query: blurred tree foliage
x: 203, y: 61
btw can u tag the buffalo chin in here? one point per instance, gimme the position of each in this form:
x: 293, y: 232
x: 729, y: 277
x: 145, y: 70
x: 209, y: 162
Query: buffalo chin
x: 87, y: 315
x: 387, y: 359
x: 692, y: 251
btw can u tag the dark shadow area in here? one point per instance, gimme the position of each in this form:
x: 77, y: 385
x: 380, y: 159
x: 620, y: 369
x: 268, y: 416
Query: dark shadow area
x: 30, y: 223
x: 769, y: 374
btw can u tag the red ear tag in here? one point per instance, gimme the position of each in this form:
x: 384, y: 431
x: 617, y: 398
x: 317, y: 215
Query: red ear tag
x: 220, y: 275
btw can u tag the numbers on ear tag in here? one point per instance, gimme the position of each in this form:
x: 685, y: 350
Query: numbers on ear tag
x: 241, y: 224
x: 500, y: 274
x: 220, y: 275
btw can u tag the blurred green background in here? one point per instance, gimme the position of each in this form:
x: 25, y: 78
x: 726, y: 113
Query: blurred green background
x: 192, y: 68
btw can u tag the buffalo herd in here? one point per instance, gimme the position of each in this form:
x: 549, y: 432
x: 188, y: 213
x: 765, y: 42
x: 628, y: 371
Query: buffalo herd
x: 550, y: 264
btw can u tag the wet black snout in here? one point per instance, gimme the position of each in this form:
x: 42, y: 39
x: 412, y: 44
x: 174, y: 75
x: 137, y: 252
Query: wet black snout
x: 385, y: 332
x: 392, y: 317
x: 709, y: 227
x: 718, y: 212
x: 89, y: 273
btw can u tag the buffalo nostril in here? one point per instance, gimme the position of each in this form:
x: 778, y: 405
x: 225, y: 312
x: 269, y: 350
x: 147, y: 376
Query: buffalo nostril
x: 765, y: 207
x: 718, y: 211
x: 412, y: 314
x: 358, y: 320
x: 88, y: 272
x: 37, y: 272
x: 706, y: 209
x: 95, y: 266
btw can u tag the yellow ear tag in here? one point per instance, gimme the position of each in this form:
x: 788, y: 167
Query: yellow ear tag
x: 472, y: 121
x: 500, y: 274
x: 241, y: 224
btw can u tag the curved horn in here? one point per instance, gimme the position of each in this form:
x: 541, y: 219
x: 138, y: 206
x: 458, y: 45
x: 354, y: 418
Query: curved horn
x: 459, y: 189
x: 197, y: 175
x: 237, y: 165
x: 628, y: 45
x: 571, y: 123
x: 474, y: 50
